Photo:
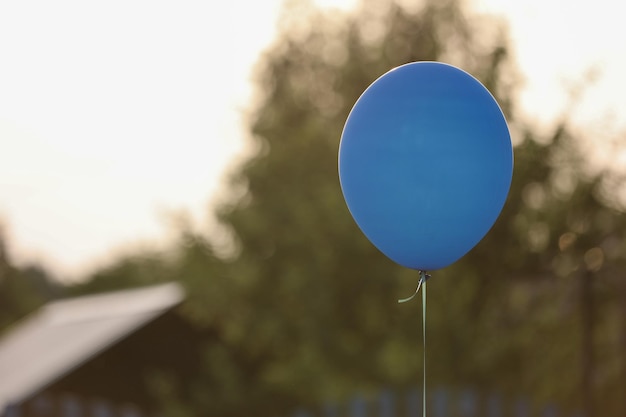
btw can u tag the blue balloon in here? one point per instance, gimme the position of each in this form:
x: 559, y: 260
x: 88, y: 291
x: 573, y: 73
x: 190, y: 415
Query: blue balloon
x: 425, y: 163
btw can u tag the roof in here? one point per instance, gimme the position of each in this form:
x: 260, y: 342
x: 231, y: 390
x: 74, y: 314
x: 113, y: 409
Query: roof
x: 64, y: 334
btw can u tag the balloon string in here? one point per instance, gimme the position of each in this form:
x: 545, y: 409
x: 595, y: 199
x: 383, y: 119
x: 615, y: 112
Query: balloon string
x: 423, y: 277
x: 424, y: 341
x: 404, y: 300
x: 421, y: 284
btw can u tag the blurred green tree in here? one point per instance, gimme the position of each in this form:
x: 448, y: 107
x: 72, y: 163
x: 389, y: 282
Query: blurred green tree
x: 319, y: 305
x: 22, y: 290
x: 303, y: 307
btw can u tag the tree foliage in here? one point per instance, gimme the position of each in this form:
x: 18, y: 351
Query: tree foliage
x: 304, y: 310
x: 21, y: 289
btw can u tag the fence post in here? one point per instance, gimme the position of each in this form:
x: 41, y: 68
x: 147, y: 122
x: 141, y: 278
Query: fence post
x: 129, y: 410
x: 12, y: 410
x: 414, y: 403
x: 494, y: 406
x: 550, y: 411
x: 330, y: 410
x: 70, y: 407
x: 467, y: 404
x: 358, y: 408
x: 302, y: 413
x: 440, y: 403
x: 101, y: 409
x: 386, y: 404
x: 522, y: 409
x: 42, y: 406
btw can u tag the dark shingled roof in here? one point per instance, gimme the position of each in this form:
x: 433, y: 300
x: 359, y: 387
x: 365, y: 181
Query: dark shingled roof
x: 64, y: 334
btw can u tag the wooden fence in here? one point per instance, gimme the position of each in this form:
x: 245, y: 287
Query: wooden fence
x: 388, y: 403
x: 440, y: 403
x: 71, y: 406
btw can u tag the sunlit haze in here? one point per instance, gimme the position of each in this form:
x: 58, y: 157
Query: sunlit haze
x: 113, y: 115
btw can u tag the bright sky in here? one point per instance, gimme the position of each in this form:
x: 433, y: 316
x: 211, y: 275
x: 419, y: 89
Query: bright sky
x: 115, y: 113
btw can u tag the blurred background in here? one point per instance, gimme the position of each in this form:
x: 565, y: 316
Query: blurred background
x: 175, y: 242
